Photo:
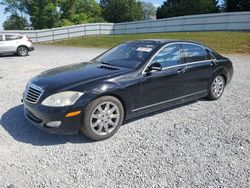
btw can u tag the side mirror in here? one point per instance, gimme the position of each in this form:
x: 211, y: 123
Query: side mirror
x: 155, y: 66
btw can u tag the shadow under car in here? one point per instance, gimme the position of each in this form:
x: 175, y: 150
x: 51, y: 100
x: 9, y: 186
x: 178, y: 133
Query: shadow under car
x: 14, y: 122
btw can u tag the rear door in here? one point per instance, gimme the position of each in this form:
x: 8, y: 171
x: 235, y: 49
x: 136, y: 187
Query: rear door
x: 11, y: 43
x: 199, y: 67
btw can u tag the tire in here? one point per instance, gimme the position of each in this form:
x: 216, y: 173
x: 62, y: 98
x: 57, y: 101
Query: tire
x: 22, y: 51
x: 216, y: 88
x: 98, y: 123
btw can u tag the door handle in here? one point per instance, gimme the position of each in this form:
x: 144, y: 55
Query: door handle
x: 182, y: 70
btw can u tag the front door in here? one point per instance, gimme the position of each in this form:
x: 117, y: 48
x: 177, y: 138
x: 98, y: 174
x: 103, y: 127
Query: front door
x: 1, y: 44
x: 159, y: 87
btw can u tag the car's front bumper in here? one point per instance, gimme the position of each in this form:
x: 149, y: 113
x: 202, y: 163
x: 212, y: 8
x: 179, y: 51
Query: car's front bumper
x: 40, y: 116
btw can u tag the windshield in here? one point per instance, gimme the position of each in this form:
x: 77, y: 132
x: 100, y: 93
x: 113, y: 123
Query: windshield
x: 129, y: 55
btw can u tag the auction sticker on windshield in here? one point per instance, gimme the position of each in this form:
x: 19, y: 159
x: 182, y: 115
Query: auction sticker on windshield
x: 143, y: 49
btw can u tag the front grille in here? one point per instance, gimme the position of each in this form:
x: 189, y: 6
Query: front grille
x: 33, y: 93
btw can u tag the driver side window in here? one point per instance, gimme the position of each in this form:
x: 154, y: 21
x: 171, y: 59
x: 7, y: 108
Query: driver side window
x: 168, y: 56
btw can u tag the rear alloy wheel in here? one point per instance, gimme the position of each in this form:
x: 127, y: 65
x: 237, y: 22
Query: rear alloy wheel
x: 22, y: 51
x: 102, y: 118
x: 217, y: 88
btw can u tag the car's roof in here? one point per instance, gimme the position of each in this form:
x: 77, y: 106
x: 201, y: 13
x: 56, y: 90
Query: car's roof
x: 163, y: 41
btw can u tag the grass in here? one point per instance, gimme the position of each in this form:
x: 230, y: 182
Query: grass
x: 223, y: 42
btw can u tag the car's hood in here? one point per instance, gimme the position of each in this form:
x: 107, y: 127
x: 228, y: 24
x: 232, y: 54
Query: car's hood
x: 73, y: 75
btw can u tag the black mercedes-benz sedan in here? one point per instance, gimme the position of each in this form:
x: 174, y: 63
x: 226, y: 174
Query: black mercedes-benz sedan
x: 127, y: 81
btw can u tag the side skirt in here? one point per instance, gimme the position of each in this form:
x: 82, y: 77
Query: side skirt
x: 166, y: 104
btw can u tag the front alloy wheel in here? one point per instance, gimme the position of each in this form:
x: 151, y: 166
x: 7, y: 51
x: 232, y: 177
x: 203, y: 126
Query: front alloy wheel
x: 105, y: 118
x: 102, y: 118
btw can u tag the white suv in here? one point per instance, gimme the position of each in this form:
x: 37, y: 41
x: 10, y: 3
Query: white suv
x: 15, y: 43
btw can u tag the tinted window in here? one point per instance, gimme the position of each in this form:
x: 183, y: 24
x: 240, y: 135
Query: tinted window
x: 216, y: 55
x: 194, y: 53
x: 11, y: 37
x: 1, y: 37
x: 129, y: 55
x: 168, y: 56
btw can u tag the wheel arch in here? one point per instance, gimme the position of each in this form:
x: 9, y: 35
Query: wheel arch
x: 120, y: 98
x: 221, y: 71
x: 225, y: 78
x: 85, y: 127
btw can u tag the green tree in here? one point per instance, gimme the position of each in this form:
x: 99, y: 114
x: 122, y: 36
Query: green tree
x: 236, y: 5
x: 208, y: 6
x: 79, y: 11
x: 15, y: 22
x: 122, y: 10
x: 148, y: 10
x: 43, y: 13
x: 171, y: 8
x: 53, y: 13
x: 14, y: 7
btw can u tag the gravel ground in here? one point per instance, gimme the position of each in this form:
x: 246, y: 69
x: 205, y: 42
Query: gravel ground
x: 202, y: 144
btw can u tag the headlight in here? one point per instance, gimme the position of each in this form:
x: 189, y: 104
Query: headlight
x: 65, y: 98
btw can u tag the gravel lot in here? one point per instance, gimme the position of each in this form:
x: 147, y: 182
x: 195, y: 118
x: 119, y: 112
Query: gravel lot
x: 202, y: 144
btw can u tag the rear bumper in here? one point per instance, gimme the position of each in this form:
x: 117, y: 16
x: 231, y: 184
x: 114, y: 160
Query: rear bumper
x: 230, y: 74
x: 31, y: 49
x: 41, y: 116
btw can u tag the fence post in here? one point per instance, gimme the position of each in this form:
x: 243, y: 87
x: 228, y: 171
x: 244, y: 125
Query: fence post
x: 84, y: 27
x: 53, y: 38
x: 166, y: 25
x: 36, y: 37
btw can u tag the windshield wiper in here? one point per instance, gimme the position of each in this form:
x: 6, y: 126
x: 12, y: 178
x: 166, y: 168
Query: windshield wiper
x: 106, y: 63
x: 109, y: 64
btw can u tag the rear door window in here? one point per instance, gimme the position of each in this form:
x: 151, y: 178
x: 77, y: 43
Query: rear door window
x: 194, y: 53
x: 1, y: 37
x: 11, y: 37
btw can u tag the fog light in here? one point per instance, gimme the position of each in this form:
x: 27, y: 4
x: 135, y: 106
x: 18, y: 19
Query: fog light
x: 54, y: 124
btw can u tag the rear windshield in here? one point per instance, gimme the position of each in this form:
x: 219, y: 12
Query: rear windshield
x: 130, y: 55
